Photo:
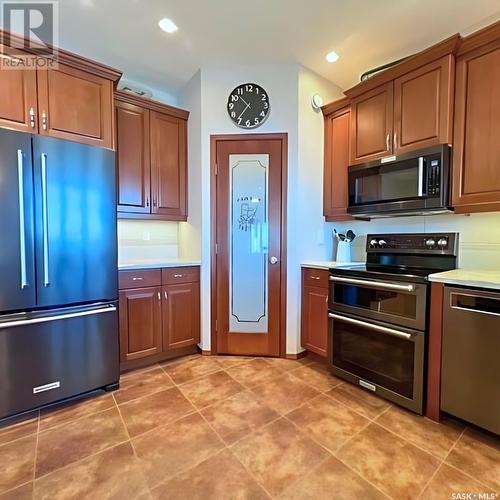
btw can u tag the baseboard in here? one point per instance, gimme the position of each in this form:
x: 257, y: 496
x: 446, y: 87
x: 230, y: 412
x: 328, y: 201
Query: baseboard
x: 299, y: 355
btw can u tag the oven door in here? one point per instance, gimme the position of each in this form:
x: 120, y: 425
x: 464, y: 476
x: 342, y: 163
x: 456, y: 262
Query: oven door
x: 394, y: 302
x: 386, y: 360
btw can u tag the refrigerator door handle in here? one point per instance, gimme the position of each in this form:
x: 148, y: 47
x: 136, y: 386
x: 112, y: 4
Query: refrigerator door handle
x: 45, y: 319
x: 22, y: 228
x: 45, y: 224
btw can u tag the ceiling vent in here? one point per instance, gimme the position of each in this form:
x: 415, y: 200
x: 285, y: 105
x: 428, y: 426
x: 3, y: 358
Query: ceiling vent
x: 136, y: 90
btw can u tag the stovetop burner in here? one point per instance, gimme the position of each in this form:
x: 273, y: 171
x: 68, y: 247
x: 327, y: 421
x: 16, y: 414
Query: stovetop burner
x: 405, y: 257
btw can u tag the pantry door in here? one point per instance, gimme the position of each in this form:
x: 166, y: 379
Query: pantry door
x: 248, y: 264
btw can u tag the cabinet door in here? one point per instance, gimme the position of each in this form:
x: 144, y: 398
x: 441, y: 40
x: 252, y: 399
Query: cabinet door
x: 76, y: 106
x: 134, y: 168
x: 371, y: 124
x: 337, y: 137
x: 315, y: 319
x: 181, y: 315
x: 423, y: 105
x: 168, y: 165
x: 476, y: 158
x: 18, y: 103
x: 140, y: 323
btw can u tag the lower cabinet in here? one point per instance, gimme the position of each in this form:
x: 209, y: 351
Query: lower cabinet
x: 159, y: 314
x: 314, y: 322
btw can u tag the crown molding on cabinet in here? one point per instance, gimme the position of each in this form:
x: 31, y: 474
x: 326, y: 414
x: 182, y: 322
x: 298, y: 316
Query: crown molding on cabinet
x: 150, y: 104
x: 479, y: 38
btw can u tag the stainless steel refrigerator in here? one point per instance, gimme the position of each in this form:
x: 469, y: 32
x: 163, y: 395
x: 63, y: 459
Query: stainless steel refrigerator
x: 58, y: 271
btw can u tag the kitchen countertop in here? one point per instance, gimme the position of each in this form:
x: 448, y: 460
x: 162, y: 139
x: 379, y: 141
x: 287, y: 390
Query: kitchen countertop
x: 325, y: 264
x: 154, y: 264
x: 468, y: 277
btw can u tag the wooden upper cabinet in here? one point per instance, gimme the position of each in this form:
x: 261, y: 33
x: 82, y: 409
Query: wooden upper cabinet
x: 140, y: 323
x: 134, y: 169
x: 423, y: 104
x: 76, y: 105
x: 181, y: 315
x: 18, y: 102
x: 168, y: 165
x: 371, y: 124
x: 476, y: 158
x: 337, y: 143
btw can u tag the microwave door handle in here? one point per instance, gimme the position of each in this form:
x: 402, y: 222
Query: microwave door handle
x: 422, y: 183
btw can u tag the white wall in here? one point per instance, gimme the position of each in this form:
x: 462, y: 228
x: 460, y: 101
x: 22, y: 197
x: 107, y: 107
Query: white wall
x: 479, y: 240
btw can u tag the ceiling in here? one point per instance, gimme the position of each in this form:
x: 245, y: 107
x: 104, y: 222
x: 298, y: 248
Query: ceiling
x: 365, y: 33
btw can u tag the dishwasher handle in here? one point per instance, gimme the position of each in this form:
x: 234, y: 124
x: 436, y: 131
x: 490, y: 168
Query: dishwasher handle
x: 475, y: 303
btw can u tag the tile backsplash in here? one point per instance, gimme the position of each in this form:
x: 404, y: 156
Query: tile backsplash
x: 479, y: 243
x: 147, y: 240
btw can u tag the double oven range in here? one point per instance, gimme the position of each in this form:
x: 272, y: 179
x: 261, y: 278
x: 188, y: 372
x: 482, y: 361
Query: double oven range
x: 378, y: 314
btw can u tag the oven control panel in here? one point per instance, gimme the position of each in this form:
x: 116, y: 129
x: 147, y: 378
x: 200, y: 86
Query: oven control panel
x: 412, y: 243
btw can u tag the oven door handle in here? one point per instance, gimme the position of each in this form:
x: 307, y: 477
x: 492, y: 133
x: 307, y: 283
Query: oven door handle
x: 371, y: 326
x: 376, y: 284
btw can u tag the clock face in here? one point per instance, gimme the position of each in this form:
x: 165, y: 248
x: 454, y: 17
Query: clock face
x: 248, y: 105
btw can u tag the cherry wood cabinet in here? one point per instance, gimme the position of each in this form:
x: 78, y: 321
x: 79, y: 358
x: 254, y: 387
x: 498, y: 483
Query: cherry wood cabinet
x: 423, y: 105
x: 152, y: 159
x: 181, y: 315
x: 168, y: 165
x: 72, y: 100
x: 159, y: 314
x: 134, y: 172
x: 476, y: 158
x: 140, y: 323
x: 371, y: 124
x: 18, y: 103
x: 336, y: 160
x: 314, y: 320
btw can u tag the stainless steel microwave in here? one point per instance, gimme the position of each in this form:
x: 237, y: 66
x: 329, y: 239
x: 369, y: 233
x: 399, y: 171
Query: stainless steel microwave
x: 410, y: 184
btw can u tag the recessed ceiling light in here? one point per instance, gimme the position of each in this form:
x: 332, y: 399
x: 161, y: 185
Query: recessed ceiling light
x: 332, y: 57
x: 167, y: 25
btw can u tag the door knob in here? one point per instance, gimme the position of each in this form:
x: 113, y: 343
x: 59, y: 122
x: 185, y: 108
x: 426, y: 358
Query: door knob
x: 273, y: 260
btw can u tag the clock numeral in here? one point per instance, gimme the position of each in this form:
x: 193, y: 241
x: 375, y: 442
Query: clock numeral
x: 247, y: 123
x: 239, y: 120
x: 234, y: 98
x: 233, y: 114
x: 240, y: 91
x: 231, y: 105
x: 266, y: 105
x: 256, y: 121
x: 263, y: 114
x: 249, y: 88
x: 264, y: 97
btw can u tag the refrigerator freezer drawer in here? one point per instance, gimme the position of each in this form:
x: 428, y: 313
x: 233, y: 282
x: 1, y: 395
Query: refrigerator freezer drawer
x: 52, y: 355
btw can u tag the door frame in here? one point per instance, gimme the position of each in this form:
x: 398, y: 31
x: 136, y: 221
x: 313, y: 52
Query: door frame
x: 214, y: 140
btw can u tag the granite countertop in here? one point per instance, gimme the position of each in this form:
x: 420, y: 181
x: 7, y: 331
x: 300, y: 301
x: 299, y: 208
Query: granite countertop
x: 153, y: 264
x: 325, y: 264
x: 469, y: 277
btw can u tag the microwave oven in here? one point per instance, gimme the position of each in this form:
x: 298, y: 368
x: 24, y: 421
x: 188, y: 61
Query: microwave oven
x: 416, y: 183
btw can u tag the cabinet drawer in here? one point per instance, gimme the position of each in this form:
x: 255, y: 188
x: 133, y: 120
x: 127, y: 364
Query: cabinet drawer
x: 139, y: 278
x: 315, y: 277
x: 172, y: 275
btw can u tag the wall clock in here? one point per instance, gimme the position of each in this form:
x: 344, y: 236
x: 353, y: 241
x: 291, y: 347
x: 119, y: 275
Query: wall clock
x: 248, y: 105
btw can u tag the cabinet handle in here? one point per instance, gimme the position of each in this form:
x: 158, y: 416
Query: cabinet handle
x: 388, y: 141
x: 137, y: 279
x: 44, y: 120
x: 177, y: 275
x: 165, y: 295
x: 147, y: 201
x: 154, y: 202
x: 315, y: 277
x: 32, y: 118
x: 395, y: 139
x: 159, y: 296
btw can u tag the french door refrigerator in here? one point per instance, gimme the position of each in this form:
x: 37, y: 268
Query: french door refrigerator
x: 58, y: 271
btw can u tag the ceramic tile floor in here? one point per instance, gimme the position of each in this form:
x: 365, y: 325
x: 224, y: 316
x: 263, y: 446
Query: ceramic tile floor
x: 240, y: 428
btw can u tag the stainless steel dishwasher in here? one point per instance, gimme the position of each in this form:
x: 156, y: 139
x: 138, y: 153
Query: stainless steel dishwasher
x: 470, y: 383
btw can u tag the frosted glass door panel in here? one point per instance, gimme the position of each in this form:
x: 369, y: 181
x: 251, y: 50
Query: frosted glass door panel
x: 249, y: 243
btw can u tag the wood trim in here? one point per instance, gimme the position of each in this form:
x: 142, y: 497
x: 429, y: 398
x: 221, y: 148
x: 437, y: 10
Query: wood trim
x: 479, y: 38
x: 126, y: 215
x: 68, y: 58
x: 157, y: 358
x: 434, y: 359
x: 443, y: 48
x: 150, y: 104
x: 283, y: 137
x: 299, y: 355
x: 334, y: 106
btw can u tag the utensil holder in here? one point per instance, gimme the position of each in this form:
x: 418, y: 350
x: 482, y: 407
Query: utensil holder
x: 343, y: 251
